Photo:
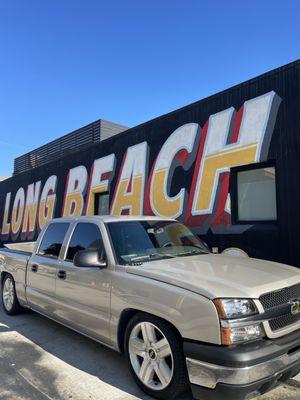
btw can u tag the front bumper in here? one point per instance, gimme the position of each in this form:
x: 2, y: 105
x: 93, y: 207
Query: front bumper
x: 241, y: 371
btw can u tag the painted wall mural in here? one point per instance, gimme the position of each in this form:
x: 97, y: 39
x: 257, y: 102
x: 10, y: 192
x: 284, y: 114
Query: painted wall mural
x: 228, y: 138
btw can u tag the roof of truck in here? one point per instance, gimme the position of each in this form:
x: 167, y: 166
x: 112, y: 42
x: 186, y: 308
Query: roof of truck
x: 111, y: 218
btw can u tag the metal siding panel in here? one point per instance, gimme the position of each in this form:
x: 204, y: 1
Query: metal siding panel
x: 58, y: 148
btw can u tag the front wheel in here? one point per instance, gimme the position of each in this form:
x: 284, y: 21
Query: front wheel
x: 9, y: 297
x: 155, y: 357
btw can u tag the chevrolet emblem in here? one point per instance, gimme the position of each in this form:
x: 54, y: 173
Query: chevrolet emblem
x: 295, y: 307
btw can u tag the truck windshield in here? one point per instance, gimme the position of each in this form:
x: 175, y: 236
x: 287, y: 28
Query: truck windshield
x: 136, y: 242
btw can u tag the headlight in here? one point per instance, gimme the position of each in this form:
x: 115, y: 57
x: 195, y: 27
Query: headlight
x: 235, y: 308
x: 233, y: 328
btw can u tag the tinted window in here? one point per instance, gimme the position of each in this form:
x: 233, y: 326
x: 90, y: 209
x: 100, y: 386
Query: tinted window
x: 85, y: 236
x: 53, y: 239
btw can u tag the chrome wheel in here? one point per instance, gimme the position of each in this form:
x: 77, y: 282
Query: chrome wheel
x: 8, y: 294
x: 151, y: 356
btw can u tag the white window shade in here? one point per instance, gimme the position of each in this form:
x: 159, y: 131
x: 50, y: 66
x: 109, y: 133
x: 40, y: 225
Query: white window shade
x: 257, y: 195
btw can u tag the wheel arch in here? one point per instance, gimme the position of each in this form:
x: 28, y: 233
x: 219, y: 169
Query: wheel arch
x: 3, y: 275
x: 127, y: 315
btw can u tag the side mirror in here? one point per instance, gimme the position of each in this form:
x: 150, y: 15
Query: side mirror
x: 89, y: 259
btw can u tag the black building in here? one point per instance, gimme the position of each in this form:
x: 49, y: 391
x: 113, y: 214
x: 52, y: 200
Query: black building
x: 228, y: 166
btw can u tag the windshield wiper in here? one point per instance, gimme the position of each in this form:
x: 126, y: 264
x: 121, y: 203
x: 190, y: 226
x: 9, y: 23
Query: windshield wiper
x: 192, y: 253
x: 138, y: 260
x: 149, y: 257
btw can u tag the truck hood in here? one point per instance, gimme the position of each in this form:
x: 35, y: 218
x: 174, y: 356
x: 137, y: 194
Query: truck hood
x: 214, y: 275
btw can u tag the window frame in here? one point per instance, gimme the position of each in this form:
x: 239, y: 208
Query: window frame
x: 233, y: 190
x: 67, y: 244
x: 37, y: 252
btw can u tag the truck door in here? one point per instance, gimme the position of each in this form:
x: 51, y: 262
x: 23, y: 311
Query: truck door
x: 42, y: 269
x: 83, y: 293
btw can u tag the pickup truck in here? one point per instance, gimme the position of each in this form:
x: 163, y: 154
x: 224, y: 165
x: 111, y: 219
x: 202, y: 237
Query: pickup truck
x: 228, y: 327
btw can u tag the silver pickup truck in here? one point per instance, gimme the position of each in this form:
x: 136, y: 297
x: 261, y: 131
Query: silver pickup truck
x: 229, y: 327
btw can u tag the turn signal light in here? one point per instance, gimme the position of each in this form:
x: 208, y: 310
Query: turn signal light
x: 241, y: 334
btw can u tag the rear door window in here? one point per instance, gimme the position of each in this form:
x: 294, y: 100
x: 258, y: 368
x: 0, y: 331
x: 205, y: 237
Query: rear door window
x: 53, y: 239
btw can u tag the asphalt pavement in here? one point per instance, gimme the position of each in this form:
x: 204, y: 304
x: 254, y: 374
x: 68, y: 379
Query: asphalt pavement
x: 42, y: 360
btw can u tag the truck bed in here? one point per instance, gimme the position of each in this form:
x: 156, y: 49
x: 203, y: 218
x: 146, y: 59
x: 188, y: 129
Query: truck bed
x: 26, y: 246
x: 15, y: 251
x: 15, y: 263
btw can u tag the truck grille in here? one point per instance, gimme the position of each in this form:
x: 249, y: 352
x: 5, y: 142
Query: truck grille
x: 277, y: 298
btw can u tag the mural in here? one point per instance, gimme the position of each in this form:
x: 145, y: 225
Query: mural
x: 228, y: 138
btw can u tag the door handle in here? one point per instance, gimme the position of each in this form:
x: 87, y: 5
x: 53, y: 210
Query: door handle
x: 34, y: 268
x: 61, y: 274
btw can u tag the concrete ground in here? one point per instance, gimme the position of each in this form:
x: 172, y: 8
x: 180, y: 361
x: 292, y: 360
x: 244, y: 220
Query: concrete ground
x: 42, y: 360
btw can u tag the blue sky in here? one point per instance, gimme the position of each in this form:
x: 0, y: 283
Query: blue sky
x: 64, y: 64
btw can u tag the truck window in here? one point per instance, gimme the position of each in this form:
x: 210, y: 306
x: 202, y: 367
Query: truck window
x: 85, y: 236
x: 53, y: 239
x: 142, y: 241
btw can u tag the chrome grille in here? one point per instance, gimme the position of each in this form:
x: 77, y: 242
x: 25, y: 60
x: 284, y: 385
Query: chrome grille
x: 277, y: 298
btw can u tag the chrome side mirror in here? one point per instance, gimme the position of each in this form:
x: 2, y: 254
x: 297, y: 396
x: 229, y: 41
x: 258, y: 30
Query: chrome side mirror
x: 89, y: 258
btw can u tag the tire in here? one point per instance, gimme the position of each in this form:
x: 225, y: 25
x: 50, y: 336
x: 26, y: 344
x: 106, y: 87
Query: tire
x: 9, y: 297
x: 155, y: 357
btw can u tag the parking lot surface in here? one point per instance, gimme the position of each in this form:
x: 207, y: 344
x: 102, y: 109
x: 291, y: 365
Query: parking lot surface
x: 42, y: 360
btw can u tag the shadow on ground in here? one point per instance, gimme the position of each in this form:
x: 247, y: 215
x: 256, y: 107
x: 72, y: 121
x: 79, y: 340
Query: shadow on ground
x: 42, y: 360
x: 17, y: 379
x: 26, y: 341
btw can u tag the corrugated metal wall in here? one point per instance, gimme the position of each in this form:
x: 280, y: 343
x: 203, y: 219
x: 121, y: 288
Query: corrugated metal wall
x: 81, y: 138
x: 109, y: 129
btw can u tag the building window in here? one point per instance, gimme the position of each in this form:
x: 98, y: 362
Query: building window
x: 102, y: 203
x: 254, y: 194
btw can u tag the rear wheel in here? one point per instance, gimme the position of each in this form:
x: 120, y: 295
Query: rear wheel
x: 154, y: 354
x: 9, y: 297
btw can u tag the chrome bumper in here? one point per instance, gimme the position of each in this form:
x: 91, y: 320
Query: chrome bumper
x: 209, y: 375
